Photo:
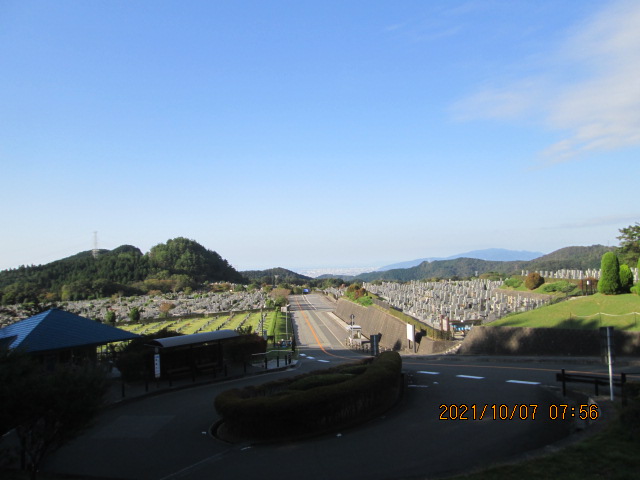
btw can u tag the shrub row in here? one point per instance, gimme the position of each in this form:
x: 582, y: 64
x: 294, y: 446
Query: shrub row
x: 274, y: 410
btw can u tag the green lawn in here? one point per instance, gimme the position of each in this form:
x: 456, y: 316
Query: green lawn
x: 276, y: 325
x: 619, y: 311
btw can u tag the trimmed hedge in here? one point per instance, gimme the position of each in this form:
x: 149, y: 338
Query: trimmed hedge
x: 273, y: 410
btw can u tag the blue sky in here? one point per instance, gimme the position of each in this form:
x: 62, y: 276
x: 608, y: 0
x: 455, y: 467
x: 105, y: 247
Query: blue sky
x: 317, y: 133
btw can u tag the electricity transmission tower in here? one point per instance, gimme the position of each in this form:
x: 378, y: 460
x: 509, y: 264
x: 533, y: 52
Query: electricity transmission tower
x: 95, y: 252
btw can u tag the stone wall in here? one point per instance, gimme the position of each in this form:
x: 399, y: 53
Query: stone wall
x: 544, y: 341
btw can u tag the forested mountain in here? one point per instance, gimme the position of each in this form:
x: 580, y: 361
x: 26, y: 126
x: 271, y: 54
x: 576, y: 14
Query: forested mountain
x: 458, y: 268
x: 579, y: 258
x: 269, y: 276
x: 175, y: 265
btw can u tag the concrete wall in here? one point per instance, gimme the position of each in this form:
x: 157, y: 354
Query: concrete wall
x: 544, y: 341
x: 393, y: 330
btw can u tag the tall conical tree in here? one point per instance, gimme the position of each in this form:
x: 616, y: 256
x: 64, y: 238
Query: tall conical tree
x: 609, y: 283
x: 626, y: 278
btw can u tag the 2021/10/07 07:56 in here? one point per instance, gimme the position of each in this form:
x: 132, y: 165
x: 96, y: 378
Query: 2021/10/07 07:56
x: 523, y: 411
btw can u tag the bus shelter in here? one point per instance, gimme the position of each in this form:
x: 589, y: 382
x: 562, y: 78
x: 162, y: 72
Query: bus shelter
x: 195, y: 354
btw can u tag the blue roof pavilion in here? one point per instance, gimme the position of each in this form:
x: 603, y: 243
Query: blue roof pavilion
x: 56, y: 330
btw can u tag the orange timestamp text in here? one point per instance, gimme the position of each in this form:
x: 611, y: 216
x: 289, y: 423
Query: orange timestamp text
x: 522, y: 411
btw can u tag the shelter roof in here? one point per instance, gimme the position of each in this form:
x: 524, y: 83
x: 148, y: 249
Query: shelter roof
x: 195, y: 339
x: 58, y: 330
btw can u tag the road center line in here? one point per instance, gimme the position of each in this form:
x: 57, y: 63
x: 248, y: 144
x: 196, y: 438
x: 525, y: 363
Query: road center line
x: 470, y: 376
x: 523, y: 382
x: 428, y: 373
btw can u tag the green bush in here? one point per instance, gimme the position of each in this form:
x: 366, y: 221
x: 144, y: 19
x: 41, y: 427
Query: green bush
x: 319, y: 381
x: 533, y: 280
x: 513, y: 282
x: 356, y: 369
x: 609, y: 283
x: 563, y: 287
x: 365, y: 301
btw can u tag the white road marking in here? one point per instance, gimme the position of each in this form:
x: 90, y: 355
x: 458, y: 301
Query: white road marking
x: 428, y: 373
x: 523, y: 382
x: 470, y: 376
x: 324, y: 361
x: 419, y: 386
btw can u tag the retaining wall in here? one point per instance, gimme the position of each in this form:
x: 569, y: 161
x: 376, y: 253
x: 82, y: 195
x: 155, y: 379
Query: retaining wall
x: 393, y: 330
x: 545, y: 341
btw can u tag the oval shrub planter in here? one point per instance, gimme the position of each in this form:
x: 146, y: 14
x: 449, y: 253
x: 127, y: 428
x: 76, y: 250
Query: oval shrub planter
x: 329, y: 399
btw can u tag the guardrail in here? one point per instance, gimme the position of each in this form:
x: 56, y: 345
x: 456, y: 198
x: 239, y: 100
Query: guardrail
x: 595, y: 380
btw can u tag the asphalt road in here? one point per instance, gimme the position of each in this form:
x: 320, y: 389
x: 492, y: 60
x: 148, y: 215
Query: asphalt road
x: 167, y: 436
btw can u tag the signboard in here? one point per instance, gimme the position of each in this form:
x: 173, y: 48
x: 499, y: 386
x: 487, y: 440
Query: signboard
x: 411, y: 332
x: 375, y: 345
x: 156, y: 364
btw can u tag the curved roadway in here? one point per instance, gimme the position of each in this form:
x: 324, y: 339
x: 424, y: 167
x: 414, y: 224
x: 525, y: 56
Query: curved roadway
x: 166, y: 436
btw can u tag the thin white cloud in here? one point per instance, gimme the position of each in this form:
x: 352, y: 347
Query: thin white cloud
x: 599, y: 221
x: 500, y: 103
x: 437, y: 23
x: 590, y: 93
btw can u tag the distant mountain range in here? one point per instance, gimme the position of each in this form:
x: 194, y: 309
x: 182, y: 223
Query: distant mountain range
x: 489, y: 254
x: 579, y: 258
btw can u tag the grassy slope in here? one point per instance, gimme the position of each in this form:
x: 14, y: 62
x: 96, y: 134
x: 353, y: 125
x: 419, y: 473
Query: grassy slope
x: 611, y: 454
x: 581, y: 312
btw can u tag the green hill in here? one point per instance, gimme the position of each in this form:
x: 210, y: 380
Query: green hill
x: 268, y: 276
x: 591, y: 312
x: 175, y: 265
